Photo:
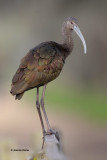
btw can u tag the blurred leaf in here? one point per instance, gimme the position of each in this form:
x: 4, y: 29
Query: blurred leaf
x: 91, y: 103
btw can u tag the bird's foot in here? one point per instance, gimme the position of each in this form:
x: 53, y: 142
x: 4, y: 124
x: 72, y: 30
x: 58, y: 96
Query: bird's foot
x: 51, y: 131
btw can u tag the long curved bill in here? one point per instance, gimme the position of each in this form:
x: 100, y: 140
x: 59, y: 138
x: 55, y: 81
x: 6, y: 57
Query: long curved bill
x: 77, y: 30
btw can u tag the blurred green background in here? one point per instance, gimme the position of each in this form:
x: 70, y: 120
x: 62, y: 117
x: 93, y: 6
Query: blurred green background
x: 76, y: 101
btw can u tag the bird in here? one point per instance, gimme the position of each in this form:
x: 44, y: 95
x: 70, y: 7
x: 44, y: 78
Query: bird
x: 43, y: 64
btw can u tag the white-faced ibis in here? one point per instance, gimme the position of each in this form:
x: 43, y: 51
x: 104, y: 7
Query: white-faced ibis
x: 43, y: 64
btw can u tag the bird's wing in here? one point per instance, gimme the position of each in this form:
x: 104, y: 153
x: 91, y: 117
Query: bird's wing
x: 33, y: 70
x: 26, y: 68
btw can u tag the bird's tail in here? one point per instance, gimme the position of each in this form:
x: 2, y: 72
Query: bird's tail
x: 19, y: 96
x: 18, y: 90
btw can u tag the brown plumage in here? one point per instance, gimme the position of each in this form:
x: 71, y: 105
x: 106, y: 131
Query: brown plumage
x: 43, y: 64
x: 40, y: 66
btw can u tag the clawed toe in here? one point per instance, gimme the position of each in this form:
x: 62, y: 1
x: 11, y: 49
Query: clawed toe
x: 50, y: 132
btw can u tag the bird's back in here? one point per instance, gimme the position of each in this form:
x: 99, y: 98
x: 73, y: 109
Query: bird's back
x: 41, y: 65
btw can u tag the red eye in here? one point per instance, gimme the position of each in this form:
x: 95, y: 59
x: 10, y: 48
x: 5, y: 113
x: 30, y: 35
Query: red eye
x: 71, y: 22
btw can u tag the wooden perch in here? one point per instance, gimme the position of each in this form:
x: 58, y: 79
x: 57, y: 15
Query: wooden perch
x: 51, y: 150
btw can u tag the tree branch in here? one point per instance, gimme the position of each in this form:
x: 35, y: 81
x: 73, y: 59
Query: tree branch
x: 51, y: 150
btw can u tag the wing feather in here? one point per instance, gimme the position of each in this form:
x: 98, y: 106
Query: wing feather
x: 41, y: 65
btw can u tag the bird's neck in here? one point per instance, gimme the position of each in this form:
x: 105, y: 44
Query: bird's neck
x: 68, y: 43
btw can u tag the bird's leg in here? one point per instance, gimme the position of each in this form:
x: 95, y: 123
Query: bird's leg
x: 49, y: 130
x: 40, y: 115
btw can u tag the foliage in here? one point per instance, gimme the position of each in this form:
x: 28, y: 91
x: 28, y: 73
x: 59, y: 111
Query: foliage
x: 91, y: 103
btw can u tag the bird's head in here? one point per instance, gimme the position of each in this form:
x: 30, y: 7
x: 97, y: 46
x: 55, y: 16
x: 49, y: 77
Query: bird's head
x: 71, y: 24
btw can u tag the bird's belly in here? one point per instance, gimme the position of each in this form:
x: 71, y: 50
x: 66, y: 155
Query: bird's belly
x: 45, y: 73
x: 44, y: 78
